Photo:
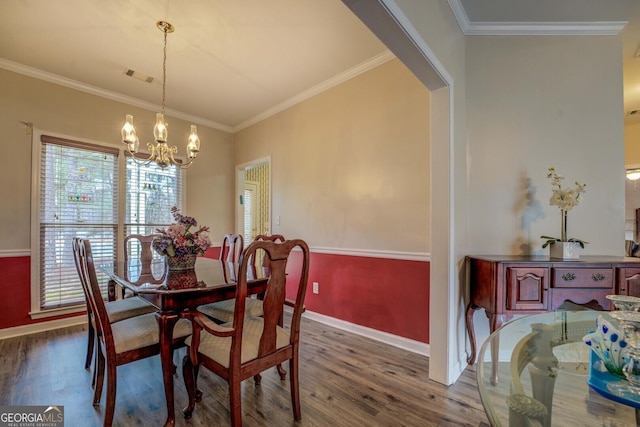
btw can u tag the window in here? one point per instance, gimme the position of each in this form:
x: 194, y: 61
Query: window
x: 151, y: 192
x: 78, y: 194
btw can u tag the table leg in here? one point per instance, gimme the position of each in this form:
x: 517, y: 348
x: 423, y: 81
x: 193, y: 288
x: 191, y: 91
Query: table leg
x: 166, y: 322
x: 495, y: 321
x: 471, y: 308
x: 111, y: 290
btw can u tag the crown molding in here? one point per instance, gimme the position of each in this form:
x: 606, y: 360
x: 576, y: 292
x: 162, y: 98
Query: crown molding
x: 73, y: 84
x: 544, y: 28
x: 309, y: 93
x: 609, y: 28
x: 460, y: 14
x: 315, y: 90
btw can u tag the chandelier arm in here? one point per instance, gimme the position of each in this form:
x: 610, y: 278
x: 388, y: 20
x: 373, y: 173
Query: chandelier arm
x: 186, y: 164
x: 179, y: 163
x: 140, y: 161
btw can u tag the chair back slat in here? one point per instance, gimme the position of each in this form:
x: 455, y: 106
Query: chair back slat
x: 260, y: 254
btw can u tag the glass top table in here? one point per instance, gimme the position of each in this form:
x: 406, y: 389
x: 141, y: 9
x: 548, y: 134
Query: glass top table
x: 541, y: 372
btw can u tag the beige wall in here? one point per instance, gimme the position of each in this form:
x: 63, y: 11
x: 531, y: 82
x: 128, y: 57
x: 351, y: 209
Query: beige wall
x: 350, y: 166
x: 65, y: 111
x: 530, y: 105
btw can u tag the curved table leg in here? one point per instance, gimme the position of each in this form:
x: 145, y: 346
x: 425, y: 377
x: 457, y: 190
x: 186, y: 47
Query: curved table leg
x: 471, y: 308
x: 166, y: 322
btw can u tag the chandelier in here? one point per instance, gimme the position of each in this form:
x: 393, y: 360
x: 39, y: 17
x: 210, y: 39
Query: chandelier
x: 160, y: 152
x: 633, y: 174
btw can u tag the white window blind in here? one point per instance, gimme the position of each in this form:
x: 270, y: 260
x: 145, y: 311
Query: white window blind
x: 248, y: 215
x: 78, y: 197
x: 151, y: 192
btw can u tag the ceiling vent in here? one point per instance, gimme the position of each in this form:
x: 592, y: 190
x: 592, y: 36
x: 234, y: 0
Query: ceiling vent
x: 138, y: 75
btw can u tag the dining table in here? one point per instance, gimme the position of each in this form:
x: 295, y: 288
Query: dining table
x: 548, y: 376
x: 173, y: 292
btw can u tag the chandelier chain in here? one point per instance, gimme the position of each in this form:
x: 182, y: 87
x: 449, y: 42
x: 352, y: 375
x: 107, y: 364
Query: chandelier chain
x: 164, y: 69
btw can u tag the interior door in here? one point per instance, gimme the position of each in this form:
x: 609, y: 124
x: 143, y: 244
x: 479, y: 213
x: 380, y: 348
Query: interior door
x: 253, y: 184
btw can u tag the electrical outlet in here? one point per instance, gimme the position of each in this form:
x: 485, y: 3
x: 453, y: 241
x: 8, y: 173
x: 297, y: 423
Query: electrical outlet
x: 316, y: 288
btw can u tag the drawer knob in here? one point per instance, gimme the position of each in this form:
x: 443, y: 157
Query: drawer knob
x: 597, y: 277
x: 568, y: 277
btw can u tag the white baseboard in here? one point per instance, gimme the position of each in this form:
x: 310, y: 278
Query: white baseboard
x: 387, y: 338
x: 34, y: 328
x: 393, y: 340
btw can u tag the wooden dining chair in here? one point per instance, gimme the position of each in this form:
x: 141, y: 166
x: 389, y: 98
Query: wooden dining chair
x: 138, y: 247
x: 222, y: 311
x: 116, y: 310
x: 119, y: 342
x: 247, y: 346
x: 231, y: 248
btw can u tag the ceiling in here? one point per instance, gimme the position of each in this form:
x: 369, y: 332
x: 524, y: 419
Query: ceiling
x: 231, y: 63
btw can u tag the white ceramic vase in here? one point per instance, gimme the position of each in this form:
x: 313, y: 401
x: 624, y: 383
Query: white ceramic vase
x: 564, y: 250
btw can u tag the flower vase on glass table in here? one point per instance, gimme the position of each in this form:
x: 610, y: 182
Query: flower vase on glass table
x: 181, y: 242
x: 565, y: 199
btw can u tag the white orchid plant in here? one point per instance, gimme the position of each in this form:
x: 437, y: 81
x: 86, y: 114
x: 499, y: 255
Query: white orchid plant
x: 566, y: 199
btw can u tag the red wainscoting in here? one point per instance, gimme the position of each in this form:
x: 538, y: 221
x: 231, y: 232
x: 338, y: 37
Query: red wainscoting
x: 15, y: 303
x: 213, y: 252
x: 388, y: 295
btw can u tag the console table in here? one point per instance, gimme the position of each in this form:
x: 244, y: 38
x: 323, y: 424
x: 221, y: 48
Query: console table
x: 505, y: 285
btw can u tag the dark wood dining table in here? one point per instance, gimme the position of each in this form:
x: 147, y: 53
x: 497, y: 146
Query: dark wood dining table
x: 173, y: 292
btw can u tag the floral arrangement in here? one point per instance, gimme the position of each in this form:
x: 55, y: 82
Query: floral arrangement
x: 566, y: 199
x: 179, y: 239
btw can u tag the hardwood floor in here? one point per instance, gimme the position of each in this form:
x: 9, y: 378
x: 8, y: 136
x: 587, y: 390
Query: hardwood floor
x: 345, y: 380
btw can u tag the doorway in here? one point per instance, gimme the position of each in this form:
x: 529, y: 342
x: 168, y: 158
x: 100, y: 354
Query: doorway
x: 253, y: 216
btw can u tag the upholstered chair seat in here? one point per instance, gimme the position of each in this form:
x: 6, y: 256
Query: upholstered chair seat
x: 219, y: 348
x: 142, y: 331
x: 222, y: 311
x: 129, y: 307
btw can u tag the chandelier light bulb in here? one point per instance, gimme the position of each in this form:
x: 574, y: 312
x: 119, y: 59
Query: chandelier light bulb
x: 129, y: 136
x: 160, y: 129
x: 193, y: 146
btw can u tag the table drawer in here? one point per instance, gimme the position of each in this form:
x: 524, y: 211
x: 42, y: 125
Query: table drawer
x: 582, y: 278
